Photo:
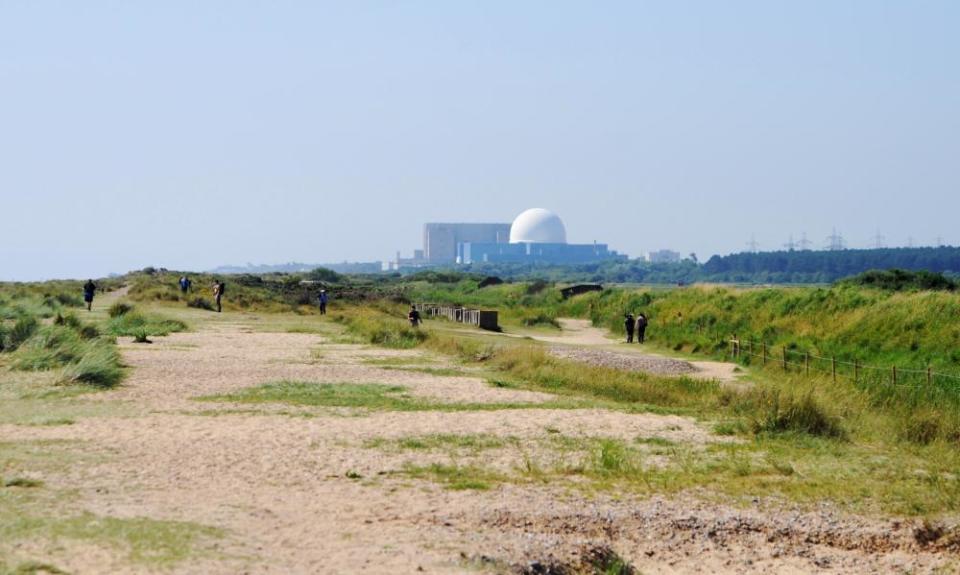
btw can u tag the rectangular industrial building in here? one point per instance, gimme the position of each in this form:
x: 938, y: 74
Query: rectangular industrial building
x: 440, y: 240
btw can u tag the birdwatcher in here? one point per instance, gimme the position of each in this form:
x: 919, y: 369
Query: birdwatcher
x: 629, y: 323
x: 323, y: 301
x: 414, y: 316
x: 641, y: 327
x: 218, y: 288
x: 89, y: 289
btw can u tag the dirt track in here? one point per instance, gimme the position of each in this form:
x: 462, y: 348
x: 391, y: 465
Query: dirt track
x: 299, y: 490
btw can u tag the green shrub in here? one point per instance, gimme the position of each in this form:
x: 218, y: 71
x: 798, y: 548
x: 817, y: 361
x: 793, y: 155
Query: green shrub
x: 120, y: 308
x: 776, y: 412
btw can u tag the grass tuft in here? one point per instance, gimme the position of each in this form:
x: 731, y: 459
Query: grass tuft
x: 778, y: 412
x: 119, y: 308
x: 99, y: 367
x: 22, y: 482
x: 133, y: 323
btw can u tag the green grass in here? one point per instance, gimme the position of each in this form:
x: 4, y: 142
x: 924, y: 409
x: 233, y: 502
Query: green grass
x: 404, y: 361
x: 142, y: 540
x: 801, y: 469
x: 437, y: 371
x: 367, y: 396
x: 779, y: 412
x: 455, y: 477
x: 442, y: 441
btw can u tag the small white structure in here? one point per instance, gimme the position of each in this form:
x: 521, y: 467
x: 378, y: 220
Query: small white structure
x: 538, y: 226
x: 663, y: 257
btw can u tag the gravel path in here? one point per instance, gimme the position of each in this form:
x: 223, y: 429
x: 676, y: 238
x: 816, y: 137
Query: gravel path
x: 625, y: 361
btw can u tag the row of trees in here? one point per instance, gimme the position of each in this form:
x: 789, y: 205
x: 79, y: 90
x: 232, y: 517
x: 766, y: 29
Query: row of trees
x: 762, y: 267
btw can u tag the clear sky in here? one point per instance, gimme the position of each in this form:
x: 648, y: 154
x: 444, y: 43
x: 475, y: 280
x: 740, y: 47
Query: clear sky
x: 193, y: 134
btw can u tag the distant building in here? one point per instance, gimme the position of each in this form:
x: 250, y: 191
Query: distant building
x: 440, y: 240
x: 663, y: 257
x: 536, y: 236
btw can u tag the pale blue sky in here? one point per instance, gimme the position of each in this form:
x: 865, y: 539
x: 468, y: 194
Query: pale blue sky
x: 193, y: 134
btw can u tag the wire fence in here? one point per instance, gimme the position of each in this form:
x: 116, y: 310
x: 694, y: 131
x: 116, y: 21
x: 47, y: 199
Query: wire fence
x: 753, y: 350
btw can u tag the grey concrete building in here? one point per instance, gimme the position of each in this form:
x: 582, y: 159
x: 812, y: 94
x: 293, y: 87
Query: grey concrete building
x: 440, y: 240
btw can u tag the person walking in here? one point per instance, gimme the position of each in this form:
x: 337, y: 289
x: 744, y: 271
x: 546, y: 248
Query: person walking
x: 89, y: 289
x: 184, y: 284
x: 323, y: 302
x: 641, y: 327
x: 629, y: 323
x: 414, y: 316
x: 218, y: 288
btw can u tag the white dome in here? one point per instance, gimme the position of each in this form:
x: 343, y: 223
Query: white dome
x: 538, y: 226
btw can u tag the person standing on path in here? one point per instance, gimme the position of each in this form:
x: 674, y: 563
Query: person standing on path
x: 641, y: 327
x: 629, y: 324
x: 414, y: 316
x: 89, y: 289
x: 323, y: 302
x: 218, y: 288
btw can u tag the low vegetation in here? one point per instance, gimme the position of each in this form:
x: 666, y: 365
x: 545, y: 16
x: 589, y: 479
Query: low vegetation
x: 366, y: 396
x: 125, y: 320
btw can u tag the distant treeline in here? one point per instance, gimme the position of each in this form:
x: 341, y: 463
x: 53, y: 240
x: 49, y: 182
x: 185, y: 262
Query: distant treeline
x: 827, y: 266
x: 797, y: 267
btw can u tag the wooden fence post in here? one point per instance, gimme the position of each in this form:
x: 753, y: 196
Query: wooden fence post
x: 783, y: 350
x: 856, y: 371
x: 764, y: 353
x: 833, y: 365
x: 894, y: 371
x: 806, y: 362
x: 929, y: 376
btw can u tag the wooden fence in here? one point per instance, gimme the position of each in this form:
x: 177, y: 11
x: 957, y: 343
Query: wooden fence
x: 482, y: 318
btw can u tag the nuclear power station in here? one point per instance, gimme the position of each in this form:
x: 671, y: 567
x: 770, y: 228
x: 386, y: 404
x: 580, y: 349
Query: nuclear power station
x: 535, y: 236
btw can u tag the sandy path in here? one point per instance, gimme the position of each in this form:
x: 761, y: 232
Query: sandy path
x: 580, y: 340
x: 279, y: 485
